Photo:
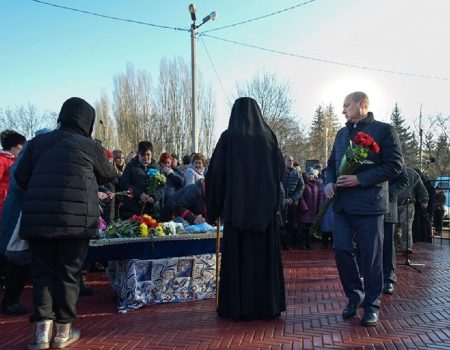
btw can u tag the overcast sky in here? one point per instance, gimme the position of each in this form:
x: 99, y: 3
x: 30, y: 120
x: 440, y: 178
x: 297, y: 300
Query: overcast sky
x: 49, y: 54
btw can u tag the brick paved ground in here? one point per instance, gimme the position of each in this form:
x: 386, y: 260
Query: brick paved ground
x: 417, y: 316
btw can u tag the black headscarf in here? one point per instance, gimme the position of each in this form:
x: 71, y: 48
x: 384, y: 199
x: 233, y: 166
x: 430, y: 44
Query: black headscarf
x: 78, y: 116
x: 244, y: 173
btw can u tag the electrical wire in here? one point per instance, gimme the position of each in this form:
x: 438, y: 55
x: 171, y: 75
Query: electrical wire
x: 326, y: 61
x: 227, y: 98
x: 261, y: 17
x: 248, y: 45
x: 111, y: 17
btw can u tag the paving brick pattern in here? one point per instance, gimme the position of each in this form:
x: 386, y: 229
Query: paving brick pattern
x: 417, y: 316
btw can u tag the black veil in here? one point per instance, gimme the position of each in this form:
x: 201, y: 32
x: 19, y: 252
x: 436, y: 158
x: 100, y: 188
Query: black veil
x: 244, y: 174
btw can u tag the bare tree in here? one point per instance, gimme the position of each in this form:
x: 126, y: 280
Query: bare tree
x: 208, y: 116
x: 162, y: 115
x: 173, y: 106
x: 275, y: 101
x: 436, y: 146
x: 104, y: 123
x: 26, y: 119
x: 132, y: 107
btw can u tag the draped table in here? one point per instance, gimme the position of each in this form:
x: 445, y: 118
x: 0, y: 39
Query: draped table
x: 153, y: 270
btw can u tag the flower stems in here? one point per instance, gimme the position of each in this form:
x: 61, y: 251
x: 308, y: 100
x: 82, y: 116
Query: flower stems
x: 315, y: 228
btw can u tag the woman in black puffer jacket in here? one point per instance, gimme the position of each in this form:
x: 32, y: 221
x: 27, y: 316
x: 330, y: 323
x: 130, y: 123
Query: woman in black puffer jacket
x: 60, y: 172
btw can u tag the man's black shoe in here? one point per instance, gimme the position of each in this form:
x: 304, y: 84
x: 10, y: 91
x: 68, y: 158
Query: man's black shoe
x: 350, y: 310
x: 370, y: 318
x: 388, y: 288
x: 15, y: 309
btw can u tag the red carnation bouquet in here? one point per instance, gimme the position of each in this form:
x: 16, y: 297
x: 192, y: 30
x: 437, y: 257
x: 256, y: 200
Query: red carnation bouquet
x: 355, y: 156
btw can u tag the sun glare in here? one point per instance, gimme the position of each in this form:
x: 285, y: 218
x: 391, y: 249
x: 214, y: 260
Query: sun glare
x: 338, y: 88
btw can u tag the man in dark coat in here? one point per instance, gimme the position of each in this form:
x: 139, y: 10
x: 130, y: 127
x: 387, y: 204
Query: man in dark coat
x: 243, y: 185
x: 293, y: 186
x: 390, y: 219
x: 360, y: 201
x: 60, y: 172
x: 407, y: 197
x: 188, y: 203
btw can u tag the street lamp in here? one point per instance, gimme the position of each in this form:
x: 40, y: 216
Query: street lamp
x: 195, y: 124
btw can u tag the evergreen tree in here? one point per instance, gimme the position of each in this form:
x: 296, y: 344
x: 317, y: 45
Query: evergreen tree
x: 408, y: 140
x: 441, y: 166
x: 323, y: 130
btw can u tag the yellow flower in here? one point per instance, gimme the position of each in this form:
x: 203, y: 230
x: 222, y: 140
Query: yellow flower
x: 160, y: 230
x: 144, y: 230
x: 146, y: 216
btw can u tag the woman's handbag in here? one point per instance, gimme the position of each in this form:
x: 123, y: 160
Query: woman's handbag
x: 18, y: 250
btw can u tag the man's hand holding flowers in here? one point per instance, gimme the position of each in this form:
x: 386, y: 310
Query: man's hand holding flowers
x: 145, y: 198
x: 355, y: 156
x: 347, y: 181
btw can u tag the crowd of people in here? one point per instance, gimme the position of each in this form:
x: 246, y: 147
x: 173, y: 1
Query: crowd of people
x: 55, y: 188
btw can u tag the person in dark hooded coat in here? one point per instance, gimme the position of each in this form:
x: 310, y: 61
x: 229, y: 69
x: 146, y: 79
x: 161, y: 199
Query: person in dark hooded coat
x: 243, y: 186
x: 60, y: 172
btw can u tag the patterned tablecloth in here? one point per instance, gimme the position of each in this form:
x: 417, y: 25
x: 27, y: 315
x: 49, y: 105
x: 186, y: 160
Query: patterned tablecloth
x: 104, y: 250
x: 147, y: 282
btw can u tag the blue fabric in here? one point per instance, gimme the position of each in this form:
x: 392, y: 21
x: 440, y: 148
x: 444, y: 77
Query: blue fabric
x: 199, y: 228
x: 368, y: 231
x: 151, y: 250
x: 147, y: 282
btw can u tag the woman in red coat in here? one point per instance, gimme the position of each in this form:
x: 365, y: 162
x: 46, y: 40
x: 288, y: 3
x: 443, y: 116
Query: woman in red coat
x: 12, y: 143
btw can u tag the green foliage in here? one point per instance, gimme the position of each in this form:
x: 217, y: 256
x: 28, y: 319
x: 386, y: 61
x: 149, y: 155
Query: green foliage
x: 408, y: 140
x: 323, y: 130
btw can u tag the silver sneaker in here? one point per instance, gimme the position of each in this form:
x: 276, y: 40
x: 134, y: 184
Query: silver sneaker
x: 42, y: 333
x: 65, y: 335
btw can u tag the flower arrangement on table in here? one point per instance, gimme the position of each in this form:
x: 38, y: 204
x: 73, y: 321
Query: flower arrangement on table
x: 141, y: 226
x: 136, y: 226
x: 355, y: 156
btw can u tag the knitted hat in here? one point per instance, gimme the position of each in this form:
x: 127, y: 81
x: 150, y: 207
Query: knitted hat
x: 312, y: 171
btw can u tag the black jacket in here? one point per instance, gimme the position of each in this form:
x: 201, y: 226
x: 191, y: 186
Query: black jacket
x: 395, y: 186
x: 244, y: 174
x: 187, y: 202
x: 371, y: 196
x: 135, y: 178
x: 60, y: 172
x: 293, y: 184
x: 415, y: 191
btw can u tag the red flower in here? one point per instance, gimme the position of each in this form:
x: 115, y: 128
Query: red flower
x: 364, y: 140
x: 138, y: 218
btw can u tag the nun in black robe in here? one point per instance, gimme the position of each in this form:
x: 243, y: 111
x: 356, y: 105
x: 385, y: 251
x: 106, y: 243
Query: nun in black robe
x: 243, y: 186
